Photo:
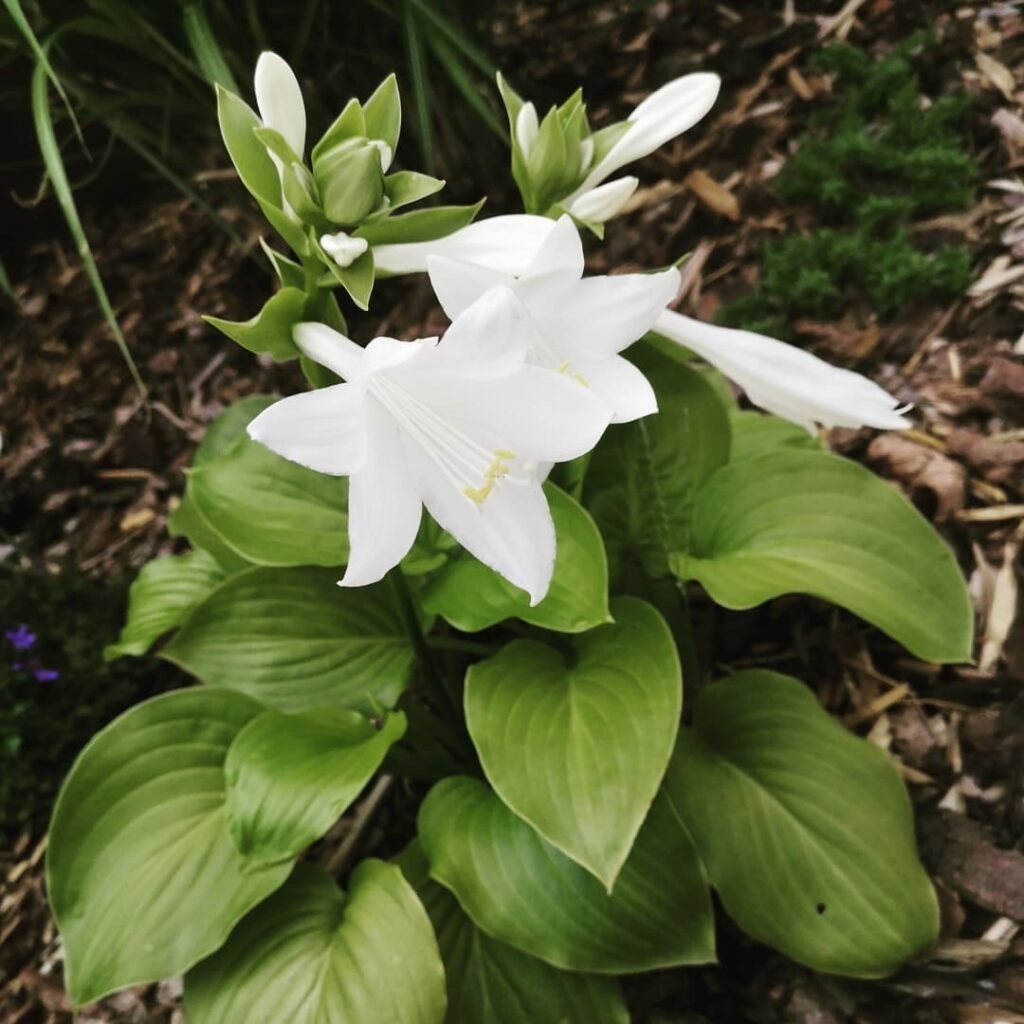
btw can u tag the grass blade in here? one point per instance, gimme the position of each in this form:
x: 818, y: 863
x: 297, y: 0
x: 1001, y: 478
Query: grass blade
x: 420, y: 87
x: 205, y: 49
x: 42, y: 116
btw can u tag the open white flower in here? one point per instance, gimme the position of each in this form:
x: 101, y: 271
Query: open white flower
x: 457, y: 425
x: 669, y: 111
x: 582, y: 324
x: 784, y: 379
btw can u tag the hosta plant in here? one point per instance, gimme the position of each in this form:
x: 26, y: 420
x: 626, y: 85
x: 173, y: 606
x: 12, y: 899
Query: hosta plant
x: 464, y: 561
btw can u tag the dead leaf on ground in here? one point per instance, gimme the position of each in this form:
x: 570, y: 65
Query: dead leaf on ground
x: 713, y: 194
x: 918, y: 467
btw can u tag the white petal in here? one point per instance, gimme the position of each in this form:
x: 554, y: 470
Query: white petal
x: 617, y: 382
x: 494, y: 327
x: 505, y: 243
x: 603, y: 315
x: 666, y: 113
x: 604, y: 202
x: 458, y: 284
x: 279, y: 99
x: 326, y: 346
x: 784, y: 379
x: 384, y: 506
x: 538, y: 414
x: 511, y: 531
x: 561, y: 251
x: 323, y: 430
x: 526, y: 128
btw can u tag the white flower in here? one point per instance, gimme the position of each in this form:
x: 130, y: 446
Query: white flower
x: 604, y: 202
x: 458, y: 425
x: 279, y: 100
x: 785, y: 380
x: 581, y: 323
x: 666, y: 113
x: 343, y: 248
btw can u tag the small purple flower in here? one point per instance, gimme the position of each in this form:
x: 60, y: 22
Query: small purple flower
x: 21, y: 639
x: 46, y: 675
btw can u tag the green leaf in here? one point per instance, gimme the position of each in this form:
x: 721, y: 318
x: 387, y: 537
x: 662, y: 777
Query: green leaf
x: 186, y: 521
x: 289, y: 273
x: 491, y: 983
x: 290, y: 777
x: 229, y: 427
x: 311, y: 955
x: 811, y: 522
x: 272, y: 511
x: 405, y: 187
x: 238, y: 124
x: 755, y: 434
x: 143, y: 877
x: 644, y: 477
x: 577, y: 744
x: 805, y: 830
x: 472, y: 597
x: 519, y: 889
x: 383, y: 113
x: 357, y: 278
x: 418, y: 226
x: 270, y: 330
x: 349, y: 124
x: 162, y: 595
x: 296, y: 641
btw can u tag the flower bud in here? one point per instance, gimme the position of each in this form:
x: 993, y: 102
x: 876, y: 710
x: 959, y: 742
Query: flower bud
x: 527, y: 127
x: 604, y: 202
x: 350, y: 180
x: 343, y: 248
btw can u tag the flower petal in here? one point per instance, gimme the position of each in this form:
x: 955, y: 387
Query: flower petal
x: 667, y: 112
x: 784, y: 379
x: 323, y: 430
x: 329, y: 348
x: 279, y: 99
x: 561, y: 250
x: 600, y: 204
x: 618, y: 383
x: 511, y: 531
x: 384, y: 506
x: 505, y: 243
x: 493, y: 328
x: 458, y: 284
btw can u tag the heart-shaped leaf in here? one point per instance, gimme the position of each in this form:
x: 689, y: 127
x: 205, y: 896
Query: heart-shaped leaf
x: 814, y: 523
x: 311, y: 954
x: 578, y: 745
x: 296, y: 641
x: 491, y: 983
x: 143, y: 877
x: 519, y: 889
x: 805, y: 830
x: 290, y: 777
x: 472, y: 597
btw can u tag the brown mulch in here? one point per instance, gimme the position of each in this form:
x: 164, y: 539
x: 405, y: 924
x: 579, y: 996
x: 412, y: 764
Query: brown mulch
x: 90, y: 471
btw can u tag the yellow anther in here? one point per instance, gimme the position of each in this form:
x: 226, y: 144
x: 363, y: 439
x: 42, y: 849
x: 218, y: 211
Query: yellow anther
x: 495, y: 471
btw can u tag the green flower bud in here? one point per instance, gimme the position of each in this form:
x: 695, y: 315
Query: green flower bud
x: 350, y: 180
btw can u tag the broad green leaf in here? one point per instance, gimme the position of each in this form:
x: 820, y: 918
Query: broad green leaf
x: 405, y: 187
x: 519, y: 889
x: 143, y: 877
x: 162, y: 596
x: 383, y: 113
x: 270, y: 330
x: 491, y: 983
x: 810, y: 522
x: 472, y: 597
x: 313, y: 955
x: 643, y: 478
x: 186, y: 521
x: 756, y: 433
x: 296, y: 641
x: 418, y: 226
x: 229, y: 428
x: 805, y: 830
x: 272, y: 511
x: 577, y: 743
x: 238, y: 123
x: 290, y: 777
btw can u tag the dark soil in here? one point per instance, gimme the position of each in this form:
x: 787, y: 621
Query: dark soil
x: 91, y: 469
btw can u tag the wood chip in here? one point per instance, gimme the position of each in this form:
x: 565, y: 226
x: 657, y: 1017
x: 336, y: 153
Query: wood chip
x: 714, y: 195
x: 998, y: 74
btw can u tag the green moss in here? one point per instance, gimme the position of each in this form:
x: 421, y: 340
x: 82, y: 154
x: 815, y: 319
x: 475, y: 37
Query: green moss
x: 878, y: 156
x: 45, y: 722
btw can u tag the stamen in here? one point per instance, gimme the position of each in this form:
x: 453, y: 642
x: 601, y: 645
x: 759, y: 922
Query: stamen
x: 579, y: 378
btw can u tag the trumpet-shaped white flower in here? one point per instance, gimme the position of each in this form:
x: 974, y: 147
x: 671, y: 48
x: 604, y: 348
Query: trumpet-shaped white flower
x: 785, y: 380
x: 582, y: 324
x: 457, y: 425
x: 604, y: 202
x: 666, y: 113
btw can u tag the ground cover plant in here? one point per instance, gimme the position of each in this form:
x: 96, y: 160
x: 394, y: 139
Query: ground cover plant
x: 521, y: 651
